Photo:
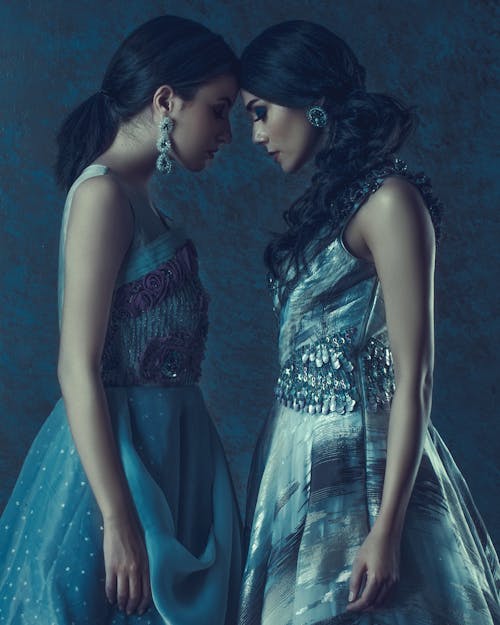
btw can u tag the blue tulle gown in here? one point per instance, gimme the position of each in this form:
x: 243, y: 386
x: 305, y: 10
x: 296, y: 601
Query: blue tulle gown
x: 51, y: 534
x: 318, y: 471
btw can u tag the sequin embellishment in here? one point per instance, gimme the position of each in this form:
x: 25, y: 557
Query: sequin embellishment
x: 379, y: 373
x: 319, y: 378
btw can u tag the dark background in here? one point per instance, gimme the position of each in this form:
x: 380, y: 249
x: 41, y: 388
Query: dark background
x: 437, y: 55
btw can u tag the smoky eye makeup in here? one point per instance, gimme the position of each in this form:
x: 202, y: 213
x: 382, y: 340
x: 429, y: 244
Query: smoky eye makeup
x: 260, y: 113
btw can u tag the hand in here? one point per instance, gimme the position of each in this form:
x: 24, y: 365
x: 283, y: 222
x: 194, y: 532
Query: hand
x: 127, y: 566
x: 377, y: 563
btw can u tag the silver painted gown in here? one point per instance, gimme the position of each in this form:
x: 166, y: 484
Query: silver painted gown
x: 317, y: 473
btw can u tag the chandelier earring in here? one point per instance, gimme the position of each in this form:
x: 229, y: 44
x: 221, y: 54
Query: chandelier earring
x: 164, y: 163
x: 317, y: 116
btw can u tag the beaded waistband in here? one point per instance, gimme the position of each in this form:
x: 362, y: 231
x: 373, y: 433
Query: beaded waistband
x: 320, y: 378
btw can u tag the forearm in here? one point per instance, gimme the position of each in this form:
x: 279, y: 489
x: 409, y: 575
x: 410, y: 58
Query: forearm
x: 91, y: 427
x: 408, y: 422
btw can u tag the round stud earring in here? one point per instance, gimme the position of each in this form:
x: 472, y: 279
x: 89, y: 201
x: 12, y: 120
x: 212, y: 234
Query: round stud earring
x: 317, y: 116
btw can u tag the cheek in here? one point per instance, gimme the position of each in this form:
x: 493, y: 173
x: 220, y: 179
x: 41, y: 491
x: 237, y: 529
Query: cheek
x: 302, y: 135
x: 310, y: 139
x: 289, y: 132
x: 201, y: 126
x: 302, y: 139
x: 281, y: 130
x: 194, y: 131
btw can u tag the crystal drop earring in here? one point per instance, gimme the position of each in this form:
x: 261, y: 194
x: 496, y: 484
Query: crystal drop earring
x: 164, y: 163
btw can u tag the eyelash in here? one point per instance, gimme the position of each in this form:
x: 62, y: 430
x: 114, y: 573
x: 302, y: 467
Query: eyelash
x: 260, y: 113
x: 219, y: 113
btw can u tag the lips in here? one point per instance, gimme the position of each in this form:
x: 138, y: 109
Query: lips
x: 211, y: 153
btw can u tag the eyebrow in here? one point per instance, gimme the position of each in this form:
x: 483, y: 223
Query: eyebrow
x: 226, y: 99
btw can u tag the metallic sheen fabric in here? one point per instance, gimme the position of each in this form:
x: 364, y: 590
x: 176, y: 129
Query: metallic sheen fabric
x: 317, y: 473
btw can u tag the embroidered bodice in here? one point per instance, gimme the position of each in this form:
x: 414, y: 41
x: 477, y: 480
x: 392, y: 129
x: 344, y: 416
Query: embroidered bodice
x: 159, y: 314
x: 158, y: 324
x: 333, y: 344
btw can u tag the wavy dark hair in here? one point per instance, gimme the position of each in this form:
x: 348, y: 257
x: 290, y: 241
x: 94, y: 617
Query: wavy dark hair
x: 295, y: 64
x: 166, y: 50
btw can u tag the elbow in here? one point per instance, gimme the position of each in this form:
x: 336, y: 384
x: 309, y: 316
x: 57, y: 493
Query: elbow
x: 426, y: 394
x: 65, y: 374
x: 427, y: 385
x: 72, y: 372
x: 415, y: 387
x: 65, y: 368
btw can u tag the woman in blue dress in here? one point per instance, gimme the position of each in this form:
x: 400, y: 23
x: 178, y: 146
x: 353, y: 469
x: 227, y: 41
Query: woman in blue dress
x: 125, y: 502
x: 356, y: 511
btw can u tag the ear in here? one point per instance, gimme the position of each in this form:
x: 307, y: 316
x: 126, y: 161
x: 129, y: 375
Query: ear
x: 165, y: 101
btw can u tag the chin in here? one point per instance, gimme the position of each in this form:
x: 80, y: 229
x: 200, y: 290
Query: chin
x: 191, y: 164
x: 195, y: 166
x: 291, y: 168
x: 294, y: 166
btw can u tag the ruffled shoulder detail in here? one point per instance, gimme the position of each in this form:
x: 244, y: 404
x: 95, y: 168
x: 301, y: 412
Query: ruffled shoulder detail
x: 345, y: 204
x: 353, y: 197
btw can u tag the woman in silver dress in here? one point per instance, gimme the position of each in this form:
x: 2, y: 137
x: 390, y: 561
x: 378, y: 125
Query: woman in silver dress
x: 356, y: 511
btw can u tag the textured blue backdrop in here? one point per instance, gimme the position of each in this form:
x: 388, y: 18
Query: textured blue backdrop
x: 438, y: 55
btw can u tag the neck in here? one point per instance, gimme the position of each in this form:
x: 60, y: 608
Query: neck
x: 131, y: 156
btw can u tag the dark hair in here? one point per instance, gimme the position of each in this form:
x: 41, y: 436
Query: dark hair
x: 295, y: 64
x: 166, y: 50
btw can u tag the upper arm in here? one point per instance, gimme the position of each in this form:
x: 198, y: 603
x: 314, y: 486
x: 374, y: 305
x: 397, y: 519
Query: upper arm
x: 397, y: 229
x: 99, y: 232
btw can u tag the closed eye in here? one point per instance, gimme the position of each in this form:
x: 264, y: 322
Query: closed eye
x: 260, y: 113
x: 220, y: 112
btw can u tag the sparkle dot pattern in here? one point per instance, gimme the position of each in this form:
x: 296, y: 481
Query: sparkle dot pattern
x: 51, y: 532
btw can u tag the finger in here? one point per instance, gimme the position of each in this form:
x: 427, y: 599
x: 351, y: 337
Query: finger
x: 135, y: 590
x: 384, y: 594
x: 110, y: 586
x: 358, y: 571
x: 146, y: 593
x: 122, y: 590
x: 369, y: 593
x: 379, y: 599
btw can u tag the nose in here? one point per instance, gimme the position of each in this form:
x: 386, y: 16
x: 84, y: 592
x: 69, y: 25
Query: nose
x: 258, y: 134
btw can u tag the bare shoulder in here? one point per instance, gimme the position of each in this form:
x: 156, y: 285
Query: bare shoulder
x: 397, y: 200
x: 101, y: 192
x: 396, y: 209
x: 101, y: 203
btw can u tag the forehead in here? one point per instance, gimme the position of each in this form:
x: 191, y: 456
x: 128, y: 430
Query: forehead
x: 224, y: 86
